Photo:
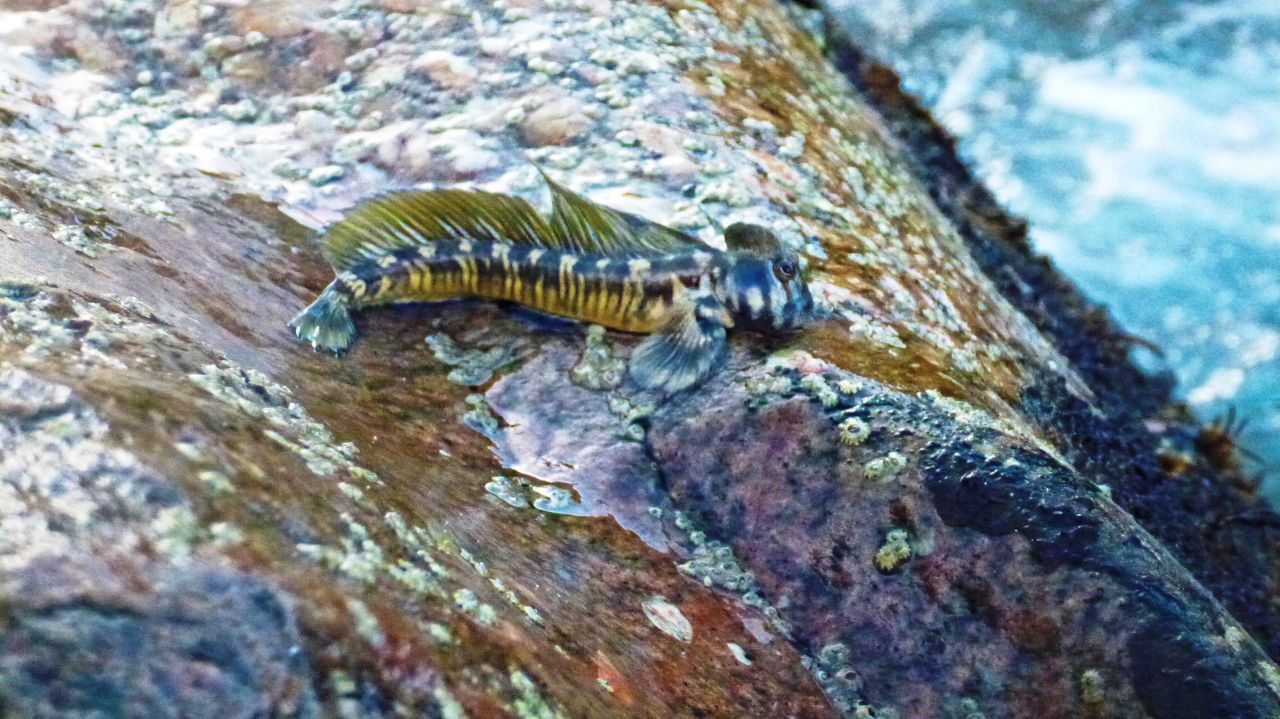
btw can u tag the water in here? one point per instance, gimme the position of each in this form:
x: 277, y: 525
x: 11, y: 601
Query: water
x: 1142, y: 141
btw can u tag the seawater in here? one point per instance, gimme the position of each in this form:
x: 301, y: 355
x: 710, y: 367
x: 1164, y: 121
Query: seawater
x: 1141, y: 139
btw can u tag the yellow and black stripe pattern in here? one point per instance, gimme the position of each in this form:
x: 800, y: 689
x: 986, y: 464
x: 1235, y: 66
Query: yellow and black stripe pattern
x: 587, y: 262
x: 633, y: 294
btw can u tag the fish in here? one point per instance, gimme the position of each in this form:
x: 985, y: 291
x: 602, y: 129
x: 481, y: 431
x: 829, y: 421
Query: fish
x: 585, y: 262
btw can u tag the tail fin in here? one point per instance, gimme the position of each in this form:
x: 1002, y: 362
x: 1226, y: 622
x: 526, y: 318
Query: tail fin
x: 326, y: 323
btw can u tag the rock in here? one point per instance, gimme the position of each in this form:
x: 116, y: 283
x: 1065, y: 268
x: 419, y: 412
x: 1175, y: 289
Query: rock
x: 181, y: 646
x: 240, y: 111
x: 313, y: 124
x: 325, y: 174
x: 446, y: 70
x: 405, y: 151
x: 30, y: 5
x: 559, y: 121
x: 247, y: 67
x: 178, y: 19
x: 400, y: 6
x: 94, y: 51
x: 469, y: 162
x: 23, y: 396
x: 999, y: 536
x: 204, y: 517
x: 658, y: 138
x: 222, y: 47
x: 275, y: 19
x: 676, y: 171
x: 322, y: 64
x: 360, y: 60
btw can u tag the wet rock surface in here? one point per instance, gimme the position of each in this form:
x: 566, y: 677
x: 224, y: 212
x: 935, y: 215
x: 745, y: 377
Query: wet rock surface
x: 1020, y: 579
x: 470, y: 514
x: 1133, y: 438
x: 84, y: 639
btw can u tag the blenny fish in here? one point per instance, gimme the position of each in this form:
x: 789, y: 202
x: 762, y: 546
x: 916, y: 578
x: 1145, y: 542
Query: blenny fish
x: 587, y: 262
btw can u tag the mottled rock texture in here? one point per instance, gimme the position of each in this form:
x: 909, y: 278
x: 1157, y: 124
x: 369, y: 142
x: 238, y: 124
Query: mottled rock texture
x: 951, y: 496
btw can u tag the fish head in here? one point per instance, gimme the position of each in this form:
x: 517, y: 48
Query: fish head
x: 764, y: 287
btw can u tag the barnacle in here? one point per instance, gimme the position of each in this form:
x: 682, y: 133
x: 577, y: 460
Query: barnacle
x: 894, y: 552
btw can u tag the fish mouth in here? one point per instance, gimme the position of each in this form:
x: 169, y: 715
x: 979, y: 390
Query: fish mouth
x: 799, y: 311
x: 794, y: 319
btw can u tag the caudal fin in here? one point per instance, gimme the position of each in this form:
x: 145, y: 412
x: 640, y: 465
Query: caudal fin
x: 326, y: 323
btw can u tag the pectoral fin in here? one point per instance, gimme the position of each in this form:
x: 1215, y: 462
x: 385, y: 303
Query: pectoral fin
x: 686, y: 350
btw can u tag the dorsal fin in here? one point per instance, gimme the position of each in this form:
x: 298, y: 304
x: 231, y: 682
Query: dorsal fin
x: 583, y: 226
x: 420, y: 217
x: 745, y: 237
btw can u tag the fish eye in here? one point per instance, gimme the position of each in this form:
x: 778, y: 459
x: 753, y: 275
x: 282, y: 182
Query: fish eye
x: 785, y: 268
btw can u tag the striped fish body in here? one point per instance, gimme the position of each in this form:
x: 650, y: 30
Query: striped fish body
x: 586, y: 262
x: 632, y: 294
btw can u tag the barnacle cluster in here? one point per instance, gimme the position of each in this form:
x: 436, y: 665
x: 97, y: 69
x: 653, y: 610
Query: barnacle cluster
x: 714, y: 564
x: 470, y: 367
x: 598, y: 368
x: 894, y: 552
x: 854, y: 431
x: 882, y: 468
